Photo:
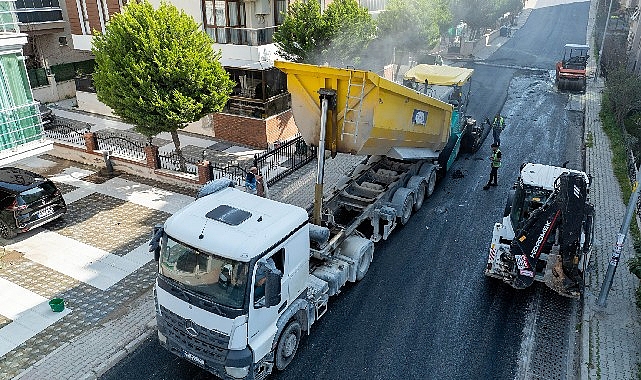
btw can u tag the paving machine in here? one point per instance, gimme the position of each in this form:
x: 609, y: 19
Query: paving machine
x: 571, y: 71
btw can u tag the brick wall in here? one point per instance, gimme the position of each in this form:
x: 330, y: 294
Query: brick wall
x: 281, y: 127
x: 239, y: 129
x: 254, y: 132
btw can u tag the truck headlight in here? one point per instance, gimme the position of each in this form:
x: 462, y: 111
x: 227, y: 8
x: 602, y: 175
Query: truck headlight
x: 237, y: 372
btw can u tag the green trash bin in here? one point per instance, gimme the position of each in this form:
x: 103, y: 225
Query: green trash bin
x: 57, y: 304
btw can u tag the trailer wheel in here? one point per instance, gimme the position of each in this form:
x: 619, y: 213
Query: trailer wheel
x: 403, y: 201
x: 287, y: 345
x: 417, y: 184
x: 360, y: 250
x: 431, y: 183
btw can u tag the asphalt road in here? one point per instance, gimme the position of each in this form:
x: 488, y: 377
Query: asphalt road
x: 425, y: 310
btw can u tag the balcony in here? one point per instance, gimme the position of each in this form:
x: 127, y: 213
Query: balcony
x: 242, y: 36
x: 257, y: 108
x: 35, y: 15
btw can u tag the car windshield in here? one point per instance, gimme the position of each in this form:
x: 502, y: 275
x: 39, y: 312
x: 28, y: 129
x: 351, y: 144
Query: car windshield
x: 217, y: 278
x: 45, y: 189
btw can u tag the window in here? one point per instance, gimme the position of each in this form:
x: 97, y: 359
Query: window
x: 275, y: 262
x: 280, y: 8
x: 214, y: 277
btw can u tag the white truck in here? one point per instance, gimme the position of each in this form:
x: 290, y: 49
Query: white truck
x: 241, y: 278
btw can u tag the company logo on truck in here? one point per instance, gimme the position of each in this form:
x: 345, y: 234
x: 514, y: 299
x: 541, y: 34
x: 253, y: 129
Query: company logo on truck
x: 542, y: 236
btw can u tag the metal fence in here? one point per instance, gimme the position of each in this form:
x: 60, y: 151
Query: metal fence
x: 68, y: 132
x: 232, y: 171
x: 121, y: 146
x: 171, y: 161
x: 284, y: 159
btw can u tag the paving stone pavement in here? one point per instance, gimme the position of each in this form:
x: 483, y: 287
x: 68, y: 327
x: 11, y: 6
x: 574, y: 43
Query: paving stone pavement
x: 611, y: 336
x: 109, y: 222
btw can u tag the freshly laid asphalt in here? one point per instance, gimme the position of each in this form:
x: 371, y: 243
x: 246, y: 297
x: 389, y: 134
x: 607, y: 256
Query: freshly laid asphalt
x: 109, y: 305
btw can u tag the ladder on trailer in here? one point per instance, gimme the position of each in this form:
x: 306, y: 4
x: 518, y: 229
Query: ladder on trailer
x: 353, y: 104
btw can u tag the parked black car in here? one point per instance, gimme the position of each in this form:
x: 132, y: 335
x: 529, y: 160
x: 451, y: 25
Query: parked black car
x: 27, y: 200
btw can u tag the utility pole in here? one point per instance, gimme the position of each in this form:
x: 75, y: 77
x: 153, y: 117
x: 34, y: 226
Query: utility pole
x: 618, y: 247
x: 605, y: 31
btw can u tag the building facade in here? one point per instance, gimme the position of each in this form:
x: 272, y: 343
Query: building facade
x: 21, y: 133
x: 258, y: 112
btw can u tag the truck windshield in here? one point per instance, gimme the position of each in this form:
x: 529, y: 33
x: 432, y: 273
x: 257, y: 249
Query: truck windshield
x: 217, y: 278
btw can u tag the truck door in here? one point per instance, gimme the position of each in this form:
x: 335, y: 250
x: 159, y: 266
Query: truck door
x: 262, y: 320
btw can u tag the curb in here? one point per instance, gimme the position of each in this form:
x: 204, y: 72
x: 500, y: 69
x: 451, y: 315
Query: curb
x: 129, y: 348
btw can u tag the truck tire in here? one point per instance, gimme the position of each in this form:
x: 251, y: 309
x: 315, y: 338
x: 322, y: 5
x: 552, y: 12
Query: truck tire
x: 403, y: 201
x: 428, y: 170
x: 287, y: 345
x: 431, y: 183
x: 360, y: 250
x: 418, y: 185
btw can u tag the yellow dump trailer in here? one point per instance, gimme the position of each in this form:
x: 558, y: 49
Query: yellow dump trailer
x: 373, y: 116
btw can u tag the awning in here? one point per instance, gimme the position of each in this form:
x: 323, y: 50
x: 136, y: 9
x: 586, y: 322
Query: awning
x: 439, y: 75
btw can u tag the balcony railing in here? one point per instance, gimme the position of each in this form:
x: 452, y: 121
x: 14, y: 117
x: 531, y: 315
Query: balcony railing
x: 8, y: 22
x: 258, y: 108
x: 32, y: 16
x: 242, y: 36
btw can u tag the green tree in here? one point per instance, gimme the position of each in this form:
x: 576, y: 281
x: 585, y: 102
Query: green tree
x: 483, y: 14
x: 412, y: 26
x: 352, y: 28
x: 157, y: 70
x: 303, y: 34
x: 338, y: 36
x: 622, y: 92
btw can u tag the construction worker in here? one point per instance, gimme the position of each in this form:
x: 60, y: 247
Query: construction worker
x: 498, y: 125
x: 495, y: 164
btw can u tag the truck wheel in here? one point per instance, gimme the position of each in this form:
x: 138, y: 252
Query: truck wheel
x: 431, y: 183
x: 403, y: 201
x: 417, y: 184
x: 420, y: 196
x: 287, y: 345
x: 360, y: 250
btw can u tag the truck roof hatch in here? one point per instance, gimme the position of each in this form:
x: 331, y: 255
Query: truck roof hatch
x: 228, y: 215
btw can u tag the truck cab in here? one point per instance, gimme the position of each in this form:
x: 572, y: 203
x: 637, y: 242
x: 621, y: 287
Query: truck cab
x: 229, y: 264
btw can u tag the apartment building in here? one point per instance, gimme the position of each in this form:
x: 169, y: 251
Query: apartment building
x: 258, y: 112
x: 21, y: 133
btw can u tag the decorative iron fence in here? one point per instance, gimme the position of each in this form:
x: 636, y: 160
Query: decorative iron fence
x: 232, y: 171
x: 171, y: 161
x: 277, y: 163
x: 121, y: 146
x: 66, y: 132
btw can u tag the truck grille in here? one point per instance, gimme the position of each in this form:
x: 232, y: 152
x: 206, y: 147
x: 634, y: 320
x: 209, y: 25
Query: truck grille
x: 206, y: 344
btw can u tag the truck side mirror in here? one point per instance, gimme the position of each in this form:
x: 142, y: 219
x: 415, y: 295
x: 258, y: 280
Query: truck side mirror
x: 154, y: 244
x: 272, y: 288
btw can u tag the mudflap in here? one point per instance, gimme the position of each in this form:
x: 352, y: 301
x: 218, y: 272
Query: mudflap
x: 556, y: 279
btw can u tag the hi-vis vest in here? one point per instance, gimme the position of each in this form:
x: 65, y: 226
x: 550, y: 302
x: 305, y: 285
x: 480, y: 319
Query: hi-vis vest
x: 495, y: 159
x: 499, y: 122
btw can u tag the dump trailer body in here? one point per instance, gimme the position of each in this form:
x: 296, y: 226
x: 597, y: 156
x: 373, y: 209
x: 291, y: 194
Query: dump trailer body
x: 373, y: 116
